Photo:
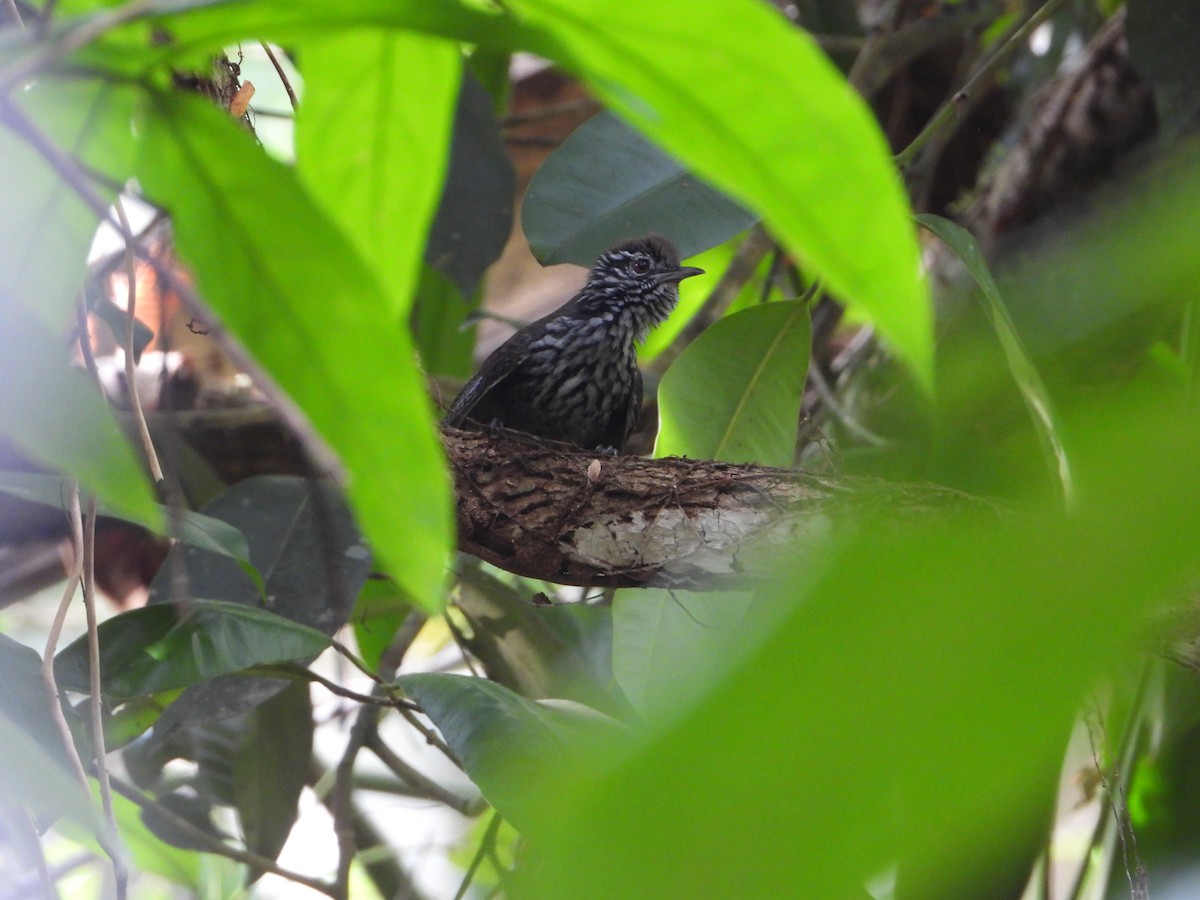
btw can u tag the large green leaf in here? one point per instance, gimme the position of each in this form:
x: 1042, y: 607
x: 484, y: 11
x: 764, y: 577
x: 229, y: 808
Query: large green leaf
x: 373, y: 140
x: 507, y: 744
x: 778, y: 128
x: 173, y: 645
x: 313, y: 562
x: 295, y: 293
x: 607, y: 183
x: 735, y: 393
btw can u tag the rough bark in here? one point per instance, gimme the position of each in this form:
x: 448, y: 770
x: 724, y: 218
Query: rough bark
x: 574, y: 518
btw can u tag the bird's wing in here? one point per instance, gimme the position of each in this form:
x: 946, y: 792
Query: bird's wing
x: 505, y: 360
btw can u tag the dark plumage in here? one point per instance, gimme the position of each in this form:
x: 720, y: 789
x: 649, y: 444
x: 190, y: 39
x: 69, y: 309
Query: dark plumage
x: 573, y: 376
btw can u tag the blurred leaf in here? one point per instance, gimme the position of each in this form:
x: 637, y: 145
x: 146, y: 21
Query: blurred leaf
x: 607, y: 183
x: 47, y: 229
x: 372, y: 143
x: 30, y: 777
x: 718, y: 401
x: 196, y: 529
x: 587, y: 632
x: 45, y: 405
x: 25, y: 701
x: 358, y: 381
x: 507, y: 744
x: 379, y: 611
x: 271, y: 769
x: 803, y: 149
x: 151, y: 854
x: 912, y: 702
x: 667, y: 646
x: 134, y: 718
x: 190, y: 808
x: 1024, y: 372
x: 167, y: 645
x: 474, y: 217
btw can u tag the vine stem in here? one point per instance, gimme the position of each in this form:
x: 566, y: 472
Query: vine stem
x: 96, y: 700
x: 287, y: 85
x: 950, y: 108
x: 135, y: 400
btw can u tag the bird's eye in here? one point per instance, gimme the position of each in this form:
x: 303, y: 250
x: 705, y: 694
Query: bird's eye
x: 640, y: 266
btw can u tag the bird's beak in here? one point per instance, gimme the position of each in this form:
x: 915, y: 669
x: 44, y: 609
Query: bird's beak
x: 679, y: 274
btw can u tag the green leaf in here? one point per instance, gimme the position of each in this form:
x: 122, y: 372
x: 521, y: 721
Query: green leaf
x: 195, y: 528
x: 173, y: 645
x: 379, y: 611
x: 1024, y: 372
x: 373, y: 140
x: 735, y: 393
x: 607, y: 183
x: 312, y: 559
x: 780, y: 130
x: 539, y: 653
x: 508, y: 745
x: 45, y: 405
x: 326, y: 332
x: 666, y: 646
x: 271, y: 769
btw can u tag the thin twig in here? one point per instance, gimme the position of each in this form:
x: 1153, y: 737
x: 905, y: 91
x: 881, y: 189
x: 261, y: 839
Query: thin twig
x: 353, y: 659
x: 982, y: 75
x: 299, y: 673
x: 287, y: 85
x: 340, y: 805
x: 96, y: 700
x: 75, y: 520
x: 426, y: 786
x: 135, y: 400
x: 489, y: 838
x: 340, y: 800
x: 12, y: 14
x: 213, y: 844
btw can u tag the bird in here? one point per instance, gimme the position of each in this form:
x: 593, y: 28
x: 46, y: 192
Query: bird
x: 572, y: 376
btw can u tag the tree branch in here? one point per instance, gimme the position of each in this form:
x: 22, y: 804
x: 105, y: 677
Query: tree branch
x: 572, y: 518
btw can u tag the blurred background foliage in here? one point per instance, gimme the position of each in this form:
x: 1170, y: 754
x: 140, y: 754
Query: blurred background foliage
x: 295, y: 668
